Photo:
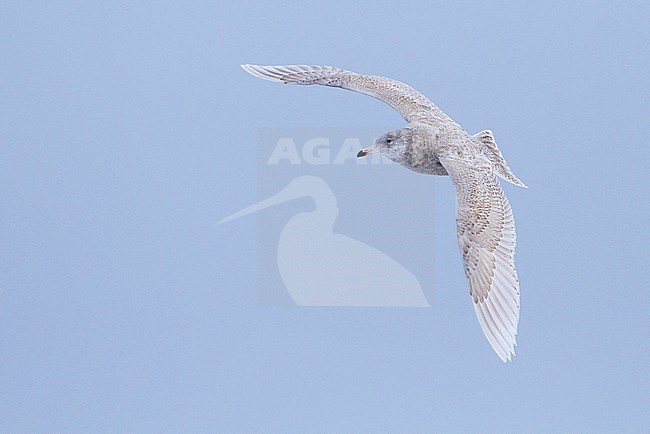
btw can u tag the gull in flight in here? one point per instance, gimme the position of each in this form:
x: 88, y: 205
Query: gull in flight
x: 432, y: 143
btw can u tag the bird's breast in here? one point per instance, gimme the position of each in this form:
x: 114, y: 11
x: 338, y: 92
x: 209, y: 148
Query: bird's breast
x: 422, y: 157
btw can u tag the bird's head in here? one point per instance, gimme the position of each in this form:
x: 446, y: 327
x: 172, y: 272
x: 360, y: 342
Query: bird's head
x: 393, y: 144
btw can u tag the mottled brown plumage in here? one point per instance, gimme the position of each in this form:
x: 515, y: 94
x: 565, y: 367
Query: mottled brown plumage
x: 432, y: 143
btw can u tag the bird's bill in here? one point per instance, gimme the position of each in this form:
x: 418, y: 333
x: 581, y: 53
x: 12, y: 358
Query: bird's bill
x: 366, y: 151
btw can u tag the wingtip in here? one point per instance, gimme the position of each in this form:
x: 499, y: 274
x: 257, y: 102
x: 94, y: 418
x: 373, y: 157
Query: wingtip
x: 502, y: 344
x: 512, y: 351
x: 247, y: 67
x: 264, y: 72
x: 506, y: 358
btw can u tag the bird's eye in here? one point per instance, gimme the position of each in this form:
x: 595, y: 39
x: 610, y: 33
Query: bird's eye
x: 389, y: 140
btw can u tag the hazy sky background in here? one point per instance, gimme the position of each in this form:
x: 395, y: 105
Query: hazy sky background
x: 127, y: 129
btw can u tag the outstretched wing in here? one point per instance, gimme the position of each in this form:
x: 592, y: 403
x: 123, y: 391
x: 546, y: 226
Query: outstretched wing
x: 486, y: 237
x: 411, y: 104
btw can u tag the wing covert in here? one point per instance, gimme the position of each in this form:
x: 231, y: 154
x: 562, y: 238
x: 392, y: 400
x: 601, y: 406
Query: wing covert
x: 486, y: 237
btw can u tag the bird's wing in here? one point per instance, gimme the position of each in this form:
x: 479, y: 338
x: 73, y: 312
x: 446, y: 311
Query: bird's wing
x: 411, y: 104
x: 486, y: 237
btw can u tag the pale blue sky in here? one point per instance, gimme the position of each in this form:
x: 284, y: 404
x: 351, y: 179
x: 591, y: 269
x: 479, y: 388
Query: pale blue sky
x: 128, y: 129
